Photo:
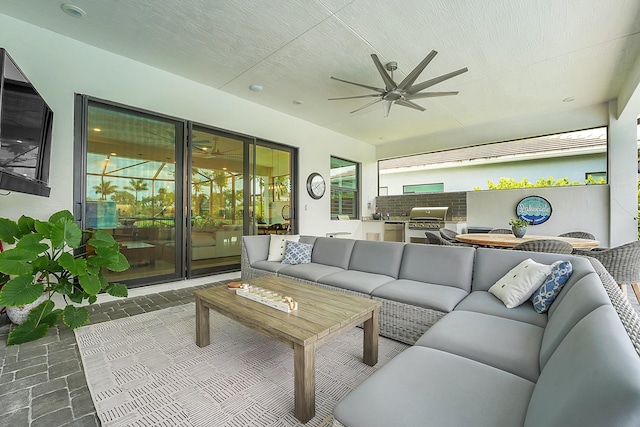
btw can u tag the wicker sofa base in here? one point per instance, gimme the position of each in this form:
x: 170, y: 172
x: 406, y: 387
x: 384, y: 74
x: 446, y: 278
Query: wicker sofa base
x: 404, y: 322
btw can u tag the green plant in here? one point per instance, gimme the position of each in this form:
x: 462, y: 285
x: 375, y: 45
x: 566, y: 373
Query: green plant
x: 42, y: 261
x: 518, y: 222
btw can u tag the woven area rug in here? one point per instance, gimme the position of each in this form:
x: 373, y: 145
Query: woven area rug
x: 146, y: 370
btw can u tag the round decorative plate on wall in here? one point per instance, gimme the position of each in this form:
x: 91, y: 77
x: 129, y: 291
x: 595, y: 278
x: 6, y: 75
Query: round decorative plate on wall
x: 316, y: 185
x: 534, y: 209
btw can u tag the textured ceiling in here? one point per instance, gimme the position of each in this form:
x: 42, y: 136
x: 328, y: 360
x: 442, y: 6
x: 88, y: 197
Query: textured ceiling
x: 524, y: 56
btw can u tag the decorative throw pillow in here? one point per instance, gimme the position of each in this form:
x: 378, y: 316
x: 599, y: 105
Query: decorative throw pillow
x: 277, y: 245
x: 520, y: 282
x: 297, y: 253
x: 553, y: 284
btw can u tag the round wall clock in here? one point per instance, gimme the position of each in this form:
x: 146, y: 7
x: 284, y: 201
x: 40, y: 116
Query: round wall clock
x: 316, y: 185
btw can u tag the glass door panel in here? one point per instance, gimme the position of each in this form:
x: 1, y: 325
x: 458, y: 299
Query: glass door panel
x: 131, y: 188
x: 217, y: 200
x: 272, y: 199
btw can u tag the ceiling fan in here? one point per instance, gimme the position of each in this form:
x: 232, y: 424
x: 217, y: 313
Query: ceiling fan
x: 209, y: 149
x: 405, y: 92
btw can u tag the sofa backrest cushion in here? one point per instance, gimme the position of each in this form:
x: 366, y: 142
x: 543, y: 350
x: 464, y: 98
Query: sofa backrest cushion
x: 491, y: 264
x: 581, y: 299
x: 440, y: 265
x: 257, y: 247
x: 377, y: 257
x: 332, y: 251
x: 591, y: 379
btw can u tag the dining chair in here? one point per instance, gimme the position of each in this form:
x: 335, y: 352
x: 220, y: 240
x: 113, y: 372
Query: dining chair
x: 435, y: 239
x: 545, y: 245
x: 501, y: 231
x: 579, y: 235
x: 448, y: 234
x: 622, y: 262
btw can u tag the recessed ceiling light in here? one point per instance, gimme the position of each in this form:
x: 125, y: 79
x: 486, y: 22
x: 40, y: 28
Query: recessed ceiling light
x: 298, y: 102
x: 114, y: 154
x: 73, y: 10
x: 569, y: 99
x: 97, y: 130
x: 255, y: 87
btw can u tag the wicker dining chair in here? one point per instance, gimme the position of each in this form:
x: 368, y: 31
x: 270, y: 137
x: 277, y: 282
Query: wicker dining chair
x: 435, y: 239
x: 545, y: 245
x: 501, y: 231
x: 448, y: 234
x: 579, y: 235
x: 622, y: 262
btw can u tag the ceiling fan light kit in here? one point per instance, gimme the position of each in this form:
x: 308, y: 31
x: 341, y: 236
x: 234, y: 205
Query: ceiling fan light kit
x: 402, y: 93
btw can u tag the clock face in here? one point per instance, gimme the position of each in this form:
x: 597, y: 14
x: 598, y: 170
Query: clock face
x: 316, y: 185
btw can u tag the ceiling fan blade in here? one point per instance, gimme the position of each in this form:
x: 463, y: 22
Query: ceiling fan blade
x: 429, y: 95
x: 386, y: 105
x: 388, y: 82
x: 413, y: 75
x: 410, y: 104
x: 377, y: 89
x: 421, y: 86
x: 354, y: 97
x: 366, y: 105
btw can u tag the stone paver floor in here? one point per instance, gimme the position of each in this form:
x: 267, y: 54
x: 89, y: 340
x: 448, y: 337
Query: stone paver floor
x: 42, y: 382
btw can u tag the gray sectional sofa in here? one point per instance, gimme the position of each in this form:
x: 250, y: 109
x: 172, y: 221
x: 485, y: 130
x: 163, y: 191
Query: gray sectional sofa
x: 474, y: 362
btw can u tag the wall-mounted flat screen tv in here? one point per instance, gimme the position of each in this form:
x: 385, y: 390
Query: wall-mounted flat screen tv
x: 25, y: 132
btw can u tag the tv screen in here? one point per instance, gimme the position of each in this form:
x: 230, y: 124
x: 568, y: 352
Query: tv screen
x: 25, y: 132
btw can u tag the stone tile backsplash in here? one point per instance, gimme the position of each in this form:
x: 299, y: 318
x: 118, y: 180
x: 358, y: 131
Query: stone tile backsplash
x: 401, y: 205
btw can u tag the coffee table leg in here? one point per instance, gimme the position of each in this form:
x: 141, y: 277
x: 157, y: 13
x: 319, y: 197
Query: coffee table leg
x: 370, y: 345
x: 304, y: 360
x: 202, y: 324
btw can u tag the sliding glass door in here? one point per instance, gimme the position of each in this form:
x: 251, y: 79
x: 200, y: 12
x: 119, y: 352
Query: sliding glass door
x: 132, y: 188
x: 177, y: 196
x: 217, y: 196
x: 272, y: 203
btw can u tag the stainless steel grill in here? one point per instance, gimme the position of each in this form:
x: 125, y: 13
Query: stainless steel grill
x: 430, y: 218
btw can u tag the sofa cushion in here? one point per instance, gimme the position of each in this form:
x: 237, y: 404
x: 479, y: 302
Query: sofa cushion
x: 491, y: 264
x: 311, y: 272
x: 257, y: 248
x: 442, y: 265
x: 297, y: 253
x: 505, y: 344
x: 591, y: 380
x: 278, y: 245
x: 377, y: 257
x: 272, y: 266
x: 484, y: 302
x: 358, y: 281
x: 332, y: 252
x: 519, y: 283
x: 544, y: 296
x: 581, y: 299
x: 423, y: 386
x: 426, y: 295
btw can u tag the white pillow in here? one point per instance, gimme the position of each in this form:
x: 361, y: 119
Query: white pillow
x: 520, y: 282
x: 277, y: 245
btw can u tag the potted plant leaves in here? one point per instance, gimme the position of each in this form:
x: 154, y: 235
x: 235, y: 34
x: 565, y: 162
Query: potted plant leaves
x: 518, y: 226
x: 50, y: 258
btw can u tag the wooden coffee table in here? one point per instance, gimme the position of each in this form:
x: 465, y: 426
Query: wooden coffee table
x: 322, y: 314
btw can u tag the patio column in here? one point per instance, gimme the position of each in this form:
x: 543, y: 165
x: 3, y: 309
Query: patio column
x: 622, y: 176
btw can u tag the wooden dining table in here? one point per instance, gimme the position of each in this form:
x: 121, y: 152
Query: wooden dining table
x: 509, y: 240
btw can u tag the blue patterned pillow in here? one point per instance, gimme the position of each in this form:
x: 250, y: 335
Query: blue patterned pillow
x: 553, y: 284
x: 297, y: 253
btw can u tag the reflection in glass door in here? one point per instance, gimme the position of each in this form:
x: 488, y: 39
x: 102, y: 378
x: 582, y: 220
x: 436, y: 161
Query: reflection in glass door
x: 272, y: 202
x: 130, y: 188
x: 217, y: 200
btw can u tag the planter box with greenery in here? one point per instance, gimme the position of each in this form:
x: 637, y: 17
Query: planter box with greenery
x: 43, y: 262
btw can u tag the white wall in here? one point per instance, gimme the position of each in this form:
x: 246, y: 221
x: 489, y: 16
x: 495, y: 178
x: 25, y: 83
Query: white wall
x: 59, y: 67
x: 579, y: 208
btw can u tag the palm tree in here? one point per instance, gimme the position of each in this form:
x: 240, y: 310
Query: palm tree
x: 137, y: 185
x: 105, y: 188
